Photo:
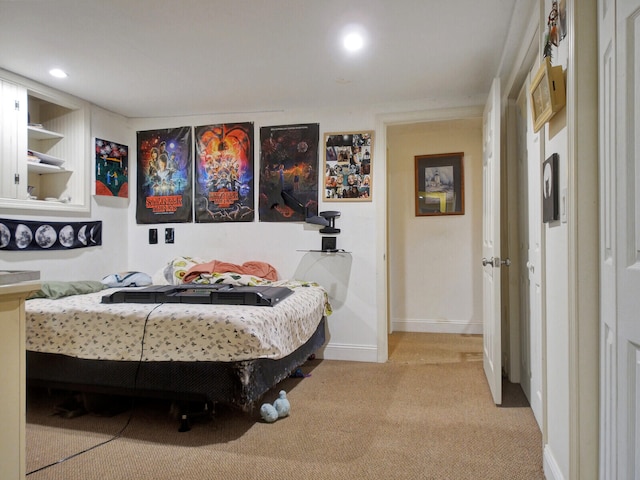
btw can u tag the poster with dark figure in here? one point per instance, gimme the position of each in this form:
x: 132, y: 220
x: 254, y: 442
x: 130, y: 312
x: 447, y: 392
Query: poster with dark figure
x: 224, y: 173
x: 112, y: 169
x: 550, y: 189
x: 164, y: 176
x: 288, y: 172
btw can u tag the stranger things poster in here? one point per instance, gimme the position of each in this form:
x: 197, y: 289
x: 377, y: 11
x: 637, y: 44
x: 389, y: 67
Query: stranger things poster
x: 224, y: 173
x: 164, y: 176
x: 288, y: 172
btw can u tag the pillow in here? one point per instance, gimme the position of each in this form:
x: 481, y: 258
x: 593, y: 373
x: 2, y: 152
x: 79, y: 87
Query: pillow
x: 127, y: 279
x: 174, y: 271
x: 55, y: 290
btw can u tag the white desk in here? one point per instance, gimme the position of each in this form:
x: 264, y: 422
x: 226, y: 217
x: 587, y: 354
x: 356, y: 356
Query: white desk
x: 13, y: 378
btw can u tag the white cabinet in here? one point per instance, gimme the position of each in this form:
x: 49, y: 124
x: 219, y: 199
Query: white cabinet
x: 45, y: 151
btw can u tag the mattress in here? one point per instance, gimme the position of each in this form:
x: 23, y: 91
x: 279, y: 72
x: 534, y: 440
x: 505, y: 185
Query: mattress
x: 81, y: 326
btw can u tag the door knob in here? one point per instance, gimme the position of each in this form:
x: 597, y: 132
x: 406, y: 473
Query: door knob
x: 486, y: 262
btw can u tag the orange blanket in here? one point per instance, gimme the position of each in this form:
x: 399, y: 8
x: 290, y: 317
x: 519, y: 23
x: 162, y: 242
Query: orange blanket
x: 255, y: 268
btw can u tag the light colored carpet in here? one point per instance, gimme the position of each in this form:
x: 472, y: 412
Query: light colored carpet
x: 406, y: 419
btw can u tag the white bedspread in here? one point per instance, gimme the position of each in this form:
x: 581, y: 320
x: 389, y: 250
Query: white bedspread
x: 80, y: 326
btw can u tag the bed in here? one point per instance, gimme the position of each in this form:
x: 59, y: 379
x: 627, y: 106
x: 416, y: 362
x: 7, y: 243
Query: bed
x: 228, y: 354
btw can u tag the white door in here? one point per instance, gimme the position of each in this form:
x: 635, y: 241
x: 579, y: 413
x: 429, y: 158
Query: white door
x: 492, y: 341
x: 531, y: 252
x: 619, y: 104
x: 628, y: 235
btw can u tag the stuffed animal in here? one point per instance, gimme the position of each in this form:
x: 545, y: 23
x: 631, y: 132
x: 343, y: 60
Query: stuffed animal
x: 269, y: 413
x: 282, y: 405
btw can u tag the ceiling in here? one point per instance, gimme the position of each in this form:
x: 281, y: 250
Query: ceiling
x: 163, y: 58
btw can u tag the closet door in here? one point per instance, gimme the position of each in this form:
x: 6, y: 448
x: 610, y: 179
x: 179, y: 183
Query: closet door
x: 627, y: 193
x: 607, y: 174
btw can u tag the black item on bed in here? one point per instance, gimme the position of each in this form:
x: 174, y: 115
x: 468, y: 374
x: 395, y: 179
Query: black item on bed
x: 239, y: 384
x: 221, y: 294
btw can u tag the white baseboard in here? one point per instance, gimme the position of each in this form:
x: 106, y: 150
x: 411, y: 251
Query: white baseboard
x: 354, y: 353
x: 551, y: 469
x: 436, y: 326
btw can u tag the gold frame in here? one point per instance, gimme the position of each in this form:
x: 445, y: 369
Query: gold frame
x: 547, y: 93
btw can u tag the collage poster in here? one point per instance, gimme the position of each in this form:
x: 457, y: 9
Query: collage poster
x: 288, y: 172
x: 224, y: 173
x: 112, y: 169
x: 164, y: 176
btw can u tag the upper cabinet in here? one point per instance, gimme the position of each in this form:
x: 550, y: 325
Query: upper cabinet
x: 45, y: 151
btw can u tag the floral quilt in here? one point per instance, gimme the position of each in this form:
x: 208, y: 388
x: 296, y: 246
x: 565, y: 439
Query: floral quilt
x: 81, y: 326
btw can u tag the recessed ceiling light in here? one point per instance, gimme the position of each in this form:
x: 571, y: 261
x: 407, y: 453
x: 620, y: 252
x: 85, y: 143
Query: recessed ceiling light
x: 58, y: 73
x: 353, y: 42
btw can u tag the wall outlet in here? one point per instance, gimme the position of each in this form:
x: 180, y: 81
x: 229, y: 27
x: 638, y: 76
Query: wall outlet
x: 168, y: 235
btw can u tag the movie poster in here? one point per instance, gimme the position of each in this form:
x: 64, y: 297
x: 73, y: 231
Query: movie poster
x: 112, y: 169
x: 288, y: 172
x: 164, y: 176
x: 224, y: 173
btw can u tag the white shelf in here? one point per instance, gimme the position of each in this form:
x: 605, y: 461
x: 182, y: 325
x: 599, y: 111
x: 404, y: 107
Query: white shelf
x: 45, y: 168
x: 42, y: 133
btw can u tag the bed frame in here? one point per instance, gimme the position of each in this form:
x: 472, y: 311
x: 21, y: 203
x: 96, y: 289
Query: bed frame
x: 238, y: 384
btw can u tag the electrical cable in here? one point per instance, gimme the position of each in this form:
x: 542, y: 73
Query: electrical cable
x: 133, y: 401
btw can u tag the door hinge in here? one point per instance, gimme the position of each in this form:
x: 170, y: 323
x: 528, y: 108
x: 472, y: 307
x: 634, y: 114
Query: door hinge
x: 17, y: 104
x: 16, y: 179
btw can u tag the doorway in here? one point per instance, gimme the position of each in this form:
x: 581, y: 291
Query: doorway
x: 432, y: 280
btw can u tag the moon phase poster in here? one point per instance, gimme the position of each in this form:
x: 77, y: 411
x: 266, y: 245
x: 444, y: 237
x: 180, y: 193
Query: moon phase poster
x: 288, y: 172
x: 43, y: 235
x: 164, y: 176
x: 224, y: 173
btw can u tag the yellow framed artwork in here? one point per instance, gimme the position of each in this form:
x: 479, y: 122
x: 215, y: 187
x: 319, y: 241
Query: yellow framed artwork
x: 547, y: 93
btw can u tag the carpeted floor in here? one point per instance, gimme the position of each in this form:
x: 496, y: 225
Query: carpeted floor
x: 419, y: 416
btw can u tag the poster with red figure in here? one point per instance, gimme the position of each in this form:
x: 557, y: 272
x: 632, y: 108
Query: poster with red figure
x: 288, y: 172
x: 164, y: 176
x: 112, y: 169
x: 224, y: 173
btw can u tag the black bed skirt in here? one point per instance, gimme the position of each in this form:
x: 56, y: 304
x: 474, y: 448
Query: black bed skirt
x: 240, y: 384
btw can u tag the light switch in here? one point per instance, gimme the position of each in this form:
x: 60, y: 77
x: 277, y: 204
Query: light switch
x: 563, y: 205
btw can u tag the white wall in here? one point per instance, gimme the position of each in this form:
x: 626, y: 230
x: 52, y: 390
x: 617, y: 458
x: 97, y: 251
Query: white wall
x: 435, y: 282
x: 352, y: 326
x: 91, y: 263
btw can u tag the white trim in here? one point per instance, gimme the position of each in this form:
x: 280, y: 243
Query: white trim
x: 347, y: 352
x: 426, y: 325
x: 551, y: 468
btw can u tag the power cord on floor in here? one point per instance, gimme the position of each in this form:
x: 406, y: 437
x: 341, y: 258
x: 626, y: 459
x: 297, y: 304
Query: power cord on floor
x: 133, y: 402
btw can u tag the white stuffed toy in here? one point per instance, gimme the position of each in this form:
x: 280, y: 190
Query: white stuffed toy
x: 268, y: 413
x: 282, y: 405
x: 280, y: 408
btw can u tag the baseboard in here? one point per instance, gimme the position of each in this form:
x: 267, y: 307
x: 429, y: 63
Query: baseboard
x: 436, y: 326
x: 354, y: 353
x: 551, y: 469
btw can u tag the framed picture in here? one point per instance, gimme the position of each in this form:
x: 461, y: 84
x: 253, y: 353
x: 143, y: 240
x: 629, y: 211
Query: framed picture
x: 547, y: 93
x: 550, y: 189
x: 111, y: 168
x: 348, y: 162
x: 439, y: 184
